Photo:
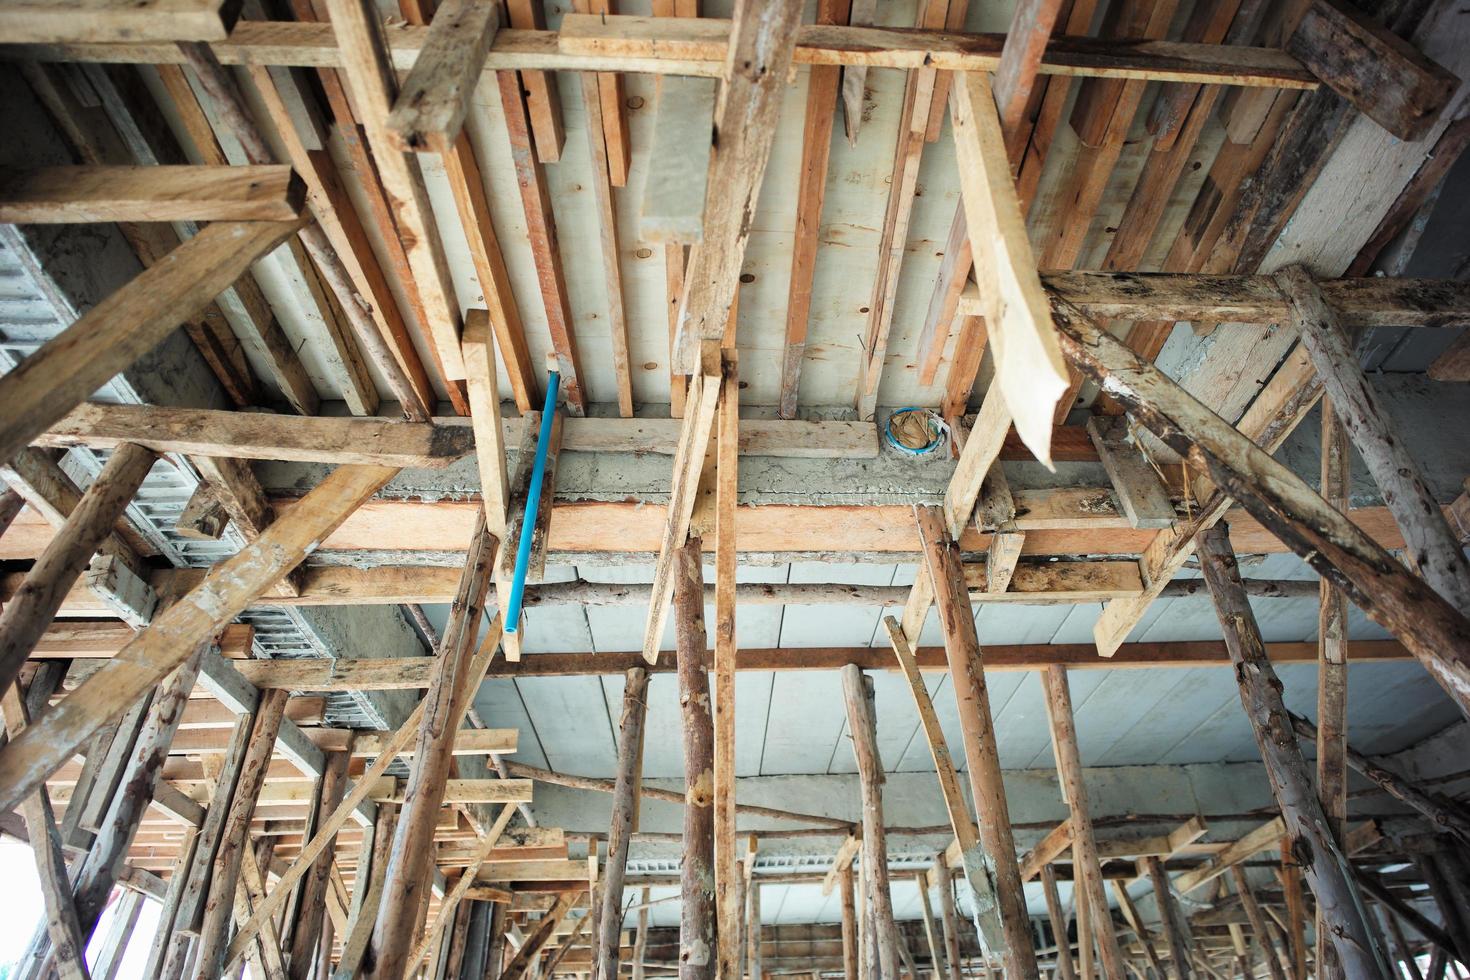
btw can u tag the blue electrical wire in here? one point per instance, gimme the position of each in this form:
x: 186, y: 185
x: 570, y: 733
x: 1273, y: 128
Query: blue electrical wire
x: 512, y: 618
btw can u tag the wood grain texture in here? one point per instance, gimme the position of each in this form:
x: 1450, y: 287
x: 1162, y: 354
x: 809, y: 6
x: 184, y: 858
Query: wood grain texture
x: 430, y: 109
x: 86, y: 195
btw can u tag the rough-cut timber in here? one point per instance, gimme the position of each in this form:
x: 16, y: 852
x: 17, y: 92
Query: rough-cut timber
x: 1311, y: 842
x: 697, y: 952
x: 625, y: 806
x: 431, y: 106
x: 87, y: 195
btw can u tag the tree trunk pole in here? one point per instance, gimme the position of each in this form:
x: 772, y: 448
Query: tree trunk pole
x: 305, y: 940
x: 753, y: 933
x: 1332, y: 670
x: 1312, y: 845
x: 849, y: 924
x: 625, y: 803
x: 951, y: 919
x: 982, y: 757
x: 1084, y: 841
x: 1168, y: 917
x: 1274, y: 960
x: 862, y: 725
x: 697, y: 953
x: 1064, y: 969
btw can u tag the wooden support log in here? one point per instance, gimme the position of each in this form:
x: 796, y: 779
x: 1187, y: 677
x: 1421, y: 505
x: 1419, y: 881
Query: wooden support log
x: 311, y: 909
x: 1380, y: 73
x: 92, y: 195
x: 624, y: 808
x: 1084, y: 841
x: 367, y: 894
x: 697, y: 952
x: 1433, y: 549
x: 430, y: 108
x: 457, y: 895
x: 451, y: 688
x: 1371, y: 578
x: 967, y: 674
x: 760, y: 45
x: 1135, y: 922
x: 176, y: 632
x: 728, y: 878
x: 849, y: 923
x: 1311, y: 842
x: 1332, y: 688
x: 25, y: 617
x: 531, y: 949
x: 1443, y: 812
x: 1426, y: 927
x: 862, y: 726
x: 1064, y: 967
x: 934, y: 939
x: 753, y: 964
x: 1170, y: 920
x: 1140, y: 489
x: 132, y: 321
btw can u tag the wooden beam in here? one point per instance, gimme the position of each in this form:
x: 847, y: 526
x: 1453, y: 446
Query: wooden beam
x: 179, y: 629
x: 1020, y: 59
x: 821, y: 95
x: 365, y: 64
x: 1378, y: 584
x: 760, y: 44
x: 484, y: 398
x: 1433, y: 549
x: 92, y: 195
x: 624, y: 809
x: 1058, y: 919
x: 1084, y: 841
x: 1311, y: 841
x: 88, y: 527
x: 967, y: 674
x: 1171, y: 922
x: 862, y: 726
x: 728, y: 879
x: 1332, y: 692
x: 311, y: 906
x: 698, y: 955
x: 537, y: 940
x: 483, y: 848
x: 430, y: 109
x: 113, y: 334
x: 543, y: 102
x: 1135, y: 922
x: 29, y: 21
x: 1140, y: 489
x: 1380, y: 73
x: 1030, y: 372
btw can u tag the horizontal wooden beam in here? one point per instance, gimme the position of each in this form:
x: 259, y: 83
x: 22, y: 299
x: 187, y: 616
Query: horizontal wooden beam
x: 1378, y: 301
x: 251, y: 435
x: 88, y: 195
x: 697, y: 46
x: 413, y: 672
x: 477, y: 791
x: 117, y: 20
x: 65, y: 640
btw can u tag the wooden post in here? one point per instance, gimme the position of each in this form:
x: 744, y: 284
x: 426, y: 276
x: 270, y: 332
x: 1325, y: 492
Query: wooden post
x: 849, y: 923
x: 625, y: 804
x: 640, y: 938
x: 1084, y: 841
x: 312, y: 908
x: 235, y: 836
x: 697, y: 954
x: 951, y: 920
x: 1430, y: 543
x: 1332, y: 671
x: 1310, y: 842
x: 932, y: 936
x: 1168, y: 917
x: 862, y: 726
x: 451, y: 686
x: 753, y: 933
x: 1064, y: 970
x: 727, y: 870
x: 1081, y: 913
x: 26, y: 616
x: 1134, y: 920
x: 529, y: 952
x: 972, y: 699
x: 1296, y: 911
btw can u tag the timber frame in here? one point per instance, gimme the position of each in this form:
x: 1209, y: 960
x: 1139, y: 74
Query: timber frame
x: 315, y: 197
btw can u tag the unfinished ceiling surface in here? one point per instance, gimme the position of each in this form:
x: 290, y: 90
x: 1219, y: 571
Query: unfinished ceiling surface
x: 326, y: 631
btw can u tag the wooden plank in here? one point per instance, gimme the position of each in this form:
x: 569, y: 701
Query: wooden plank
x: 1370, y: 577
x: 700, y: 47
x: 429, y: 111
x: 760, y: 43
x: 1433, y: 549
x: 30, y: 21
x: 484, y: 396
x: 86, y: 194
x: 1020, y: 59
x: 1084, y: 841
x: 374, y: 87
x: 982, y: 448
x: 113, y: 334
x: 1380, y: 73
x: 1309, y: 839
x: 541, y: 232
x: 1140, y: 489
x: 1030, y: 372
x: 176, y: 631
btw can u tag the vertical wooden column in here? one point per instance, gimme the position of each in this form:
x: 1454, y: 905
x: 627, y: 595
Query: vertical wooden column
x: 932, y: 936
x: 951, y: 920
x: 697, y: 952
x: 849, y: 924
x: 411, y: 863
x: 967, y: 674
x: 495, y: 955
x: 1258, y: 922
x: 1064, y: 970
x: 753, y: 933
x: 1310, y: 841
x: 1168, y: 917
x: 224, y: 873
x: 640, y: 938
x: 1080, y: 912
x: 1084, y: 841
x: 727, y: 463
x: 625, y: 804
x: 305, y: 940
x: 1332, y: 670
x: 1296, y: 911
x: 862, y: 726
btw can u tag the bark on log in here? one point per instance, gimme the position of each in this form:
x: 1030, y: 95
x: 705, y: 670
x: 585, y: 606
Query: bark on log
x: 697, y: 888
x: 1312, y: 845
x: 1332, y: 669
x: 951, y: 919
x: 862, y: 726
x: 1168, y: 917
x: 625, y: 805
x: 305, y: 939
x: 849, y: 924
x: 1273, y: 957
x: 1064, y: 968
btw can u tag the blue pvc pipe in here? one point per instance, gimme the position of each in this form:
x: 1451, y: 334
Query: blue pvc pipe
x: 533, y: 504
